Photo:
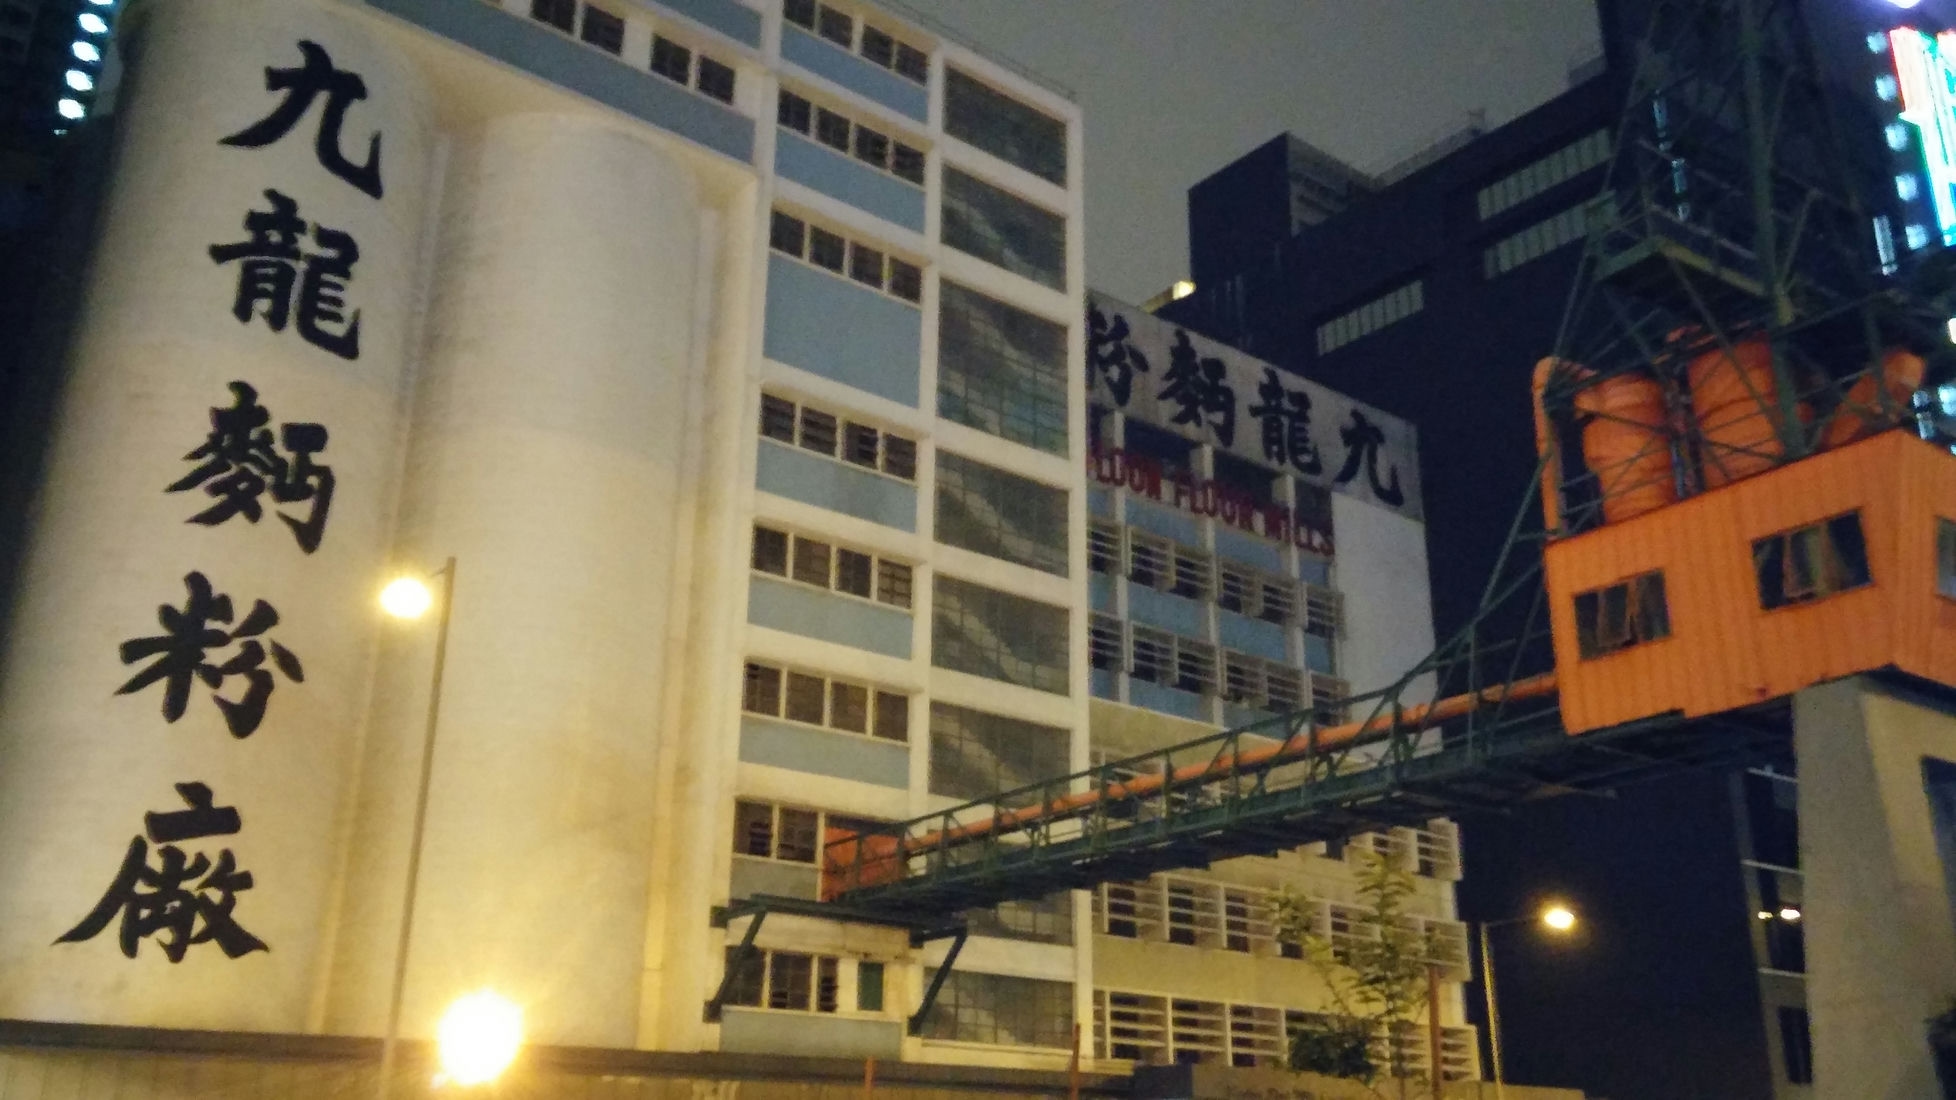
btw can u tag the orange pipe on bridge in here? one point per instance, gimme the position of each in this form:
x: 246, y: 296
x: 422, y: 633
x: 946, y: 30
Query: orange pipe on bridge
x: 1299, y: 746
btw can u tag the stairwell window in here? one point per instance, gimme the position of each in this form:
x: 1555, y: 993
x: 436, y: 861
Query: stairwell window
x: 1622, y: 615
x: 1812, y: 562
x: 1946, y: 557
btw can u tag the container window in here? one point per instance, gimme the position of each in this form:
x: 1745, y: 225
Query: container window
x: 1810, y: 563
x: 1622, y: 615
x: 1946, y: 557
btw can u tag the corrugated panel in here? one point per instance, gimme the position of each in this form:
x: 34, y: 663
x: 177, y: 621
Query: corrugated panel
x: 1725, y: 651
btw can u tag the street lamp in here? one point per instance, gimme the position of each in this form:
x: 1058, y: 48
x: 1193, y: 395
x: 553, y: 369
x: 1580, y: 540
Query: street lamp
x: 1556, y: 918
x: 410, y: 598
x: 478, y: 1037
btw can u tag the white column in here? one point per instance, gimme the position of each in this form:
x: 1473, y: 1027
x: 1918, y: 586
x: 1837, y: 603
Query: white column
x: 157, y: 349
x: 1880, y: 939
x: 550, y: 430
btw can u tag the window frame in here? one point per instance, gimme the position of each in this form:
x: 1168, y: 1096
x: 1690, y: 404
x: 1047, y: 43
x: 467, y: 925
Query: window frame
x: 1833, y: 562
x: 1946, y: 558
x: 896, y: 452
x: 815, y: 242
x: 881, y: 704
x: 1636, y: 611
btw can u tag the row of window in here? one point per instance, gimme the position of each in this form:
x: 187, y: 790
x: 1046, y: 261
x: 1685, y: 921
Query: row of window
x: 830, y: 702
x: 812, y: 429
x: 1158, y: 563
x: 851, y: 138
x: 867, y: 265
x: 1394, y: 305
x: 794, y: 981
x: 1202, y: 668
x: 1791, y: 567
x: 869, y: 42
x: 1525, y: 183
x: 670, y: 59
x: 1536, y: 241
x: 1003, y: 229
x: 1145, y: 1027
x: 1002, y: 515
x: 767, y: 831
x: 837, y: 568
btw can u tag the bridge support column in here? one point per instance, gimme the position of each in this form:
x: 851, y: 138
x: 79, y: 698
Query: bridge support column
x: 1880, y: 936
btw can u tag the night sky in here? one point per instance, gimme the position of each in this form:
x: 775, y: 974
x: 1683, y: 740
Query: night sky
x: 1174, y: 89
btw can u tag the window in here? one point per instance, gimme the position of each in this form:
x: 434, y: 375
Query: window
x: 1104, y: 548
x: 676, y: 62
x: 1810, y: 563
x: 975, y: 755
x: 986, y: 510
x: 993, y: 1008
x: 831, y: 703
x: 789, y: 981
x: 767, y: 831
x: 815, y: 562
x: 994, y: 634
x: 836, y: 27
x: 878, y: 47
x: 1171, y: 660
x: 1001, y: 370
x: 799, y: 12
x: 998, y: 124
x: 869, y: 987
x: 1255, y: 594
x: 1564, y: 164
x: 561, y: 14
x: 1395, y: 305
x: 1104, y: 643
x: 1796, y: 1044
x: 1622, y: 615
x: 837, y: 131
x: 1946, y: 557
x: 602, y: 29
x: 1002, y: 229
x: 1536, y: 241
x: 1046, y: 920
x: 832, y: 251
x: 822, y: 432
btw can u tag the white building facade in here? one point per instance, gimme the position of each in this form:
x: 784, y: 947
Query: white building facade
x: 733, y: 355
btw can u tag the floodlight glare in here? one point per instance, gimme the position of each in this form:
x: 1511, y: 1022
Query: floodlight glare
x: 406, y: 598
x: 478, y: 1037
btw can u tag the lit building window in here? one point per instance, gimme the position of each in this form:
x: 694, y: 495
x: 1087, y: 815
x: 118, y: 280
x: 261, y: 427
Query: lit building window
x: 1558, y: 167
x: 79, y: 81
x: 70, y: 108
x: 86, y: 51
x: 1536, y: 241
x: 1395, y: 305
x: 92, y: 23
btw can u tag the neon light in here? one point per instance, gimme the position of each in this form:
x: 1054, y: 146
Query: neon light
x: 1926, y: 71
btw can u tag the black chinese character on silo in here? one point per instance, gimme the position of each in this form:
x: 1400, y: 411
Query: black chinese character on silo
x: 1111, y: 356
x: 182, y: 654
x: 182, y: 900
x: 240, y: 462
x: 1286, y: 418
x: 1200, y: 387
x: 1362, y: 442
x: 277, y: 280
x: 301, y: 86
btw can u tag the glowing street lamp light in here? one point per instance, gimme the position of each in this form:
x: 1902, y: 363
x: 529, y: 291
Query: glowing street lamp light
x: 410, y: 598
x: 1557, y: 918
x: 478, y: 1037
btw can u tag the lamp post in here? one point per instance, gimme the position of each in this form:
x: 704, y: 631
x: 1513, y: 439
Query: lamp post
x: 408, y: 598
x: 1556, y: 918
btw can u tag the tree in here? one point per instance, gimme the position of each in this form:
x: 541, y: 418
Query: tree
x: 1376, y: 978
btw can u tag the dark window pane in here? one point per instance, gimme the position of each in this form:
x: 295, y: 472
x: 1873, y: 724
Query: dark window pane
x: 849, y: 707
x: 913, y: 63
x: 826, y: 984
x: 825, y: 249
x: 805, y: 698
x: 811, y: 561
x: 761, y: 692
x: 716, y: 80
x: 745, y: 989
x: 831, y: 129
x: 561, y: 14
x: 878, y: 47
x: 794, y: 112
x: 799, y: 12
x: 869, y: 987
x: 893, y: 583
x: 1001, y: 369
x: 817, y: 431
x: 1796, y: 1044
x: 995, y: 634
x: 788, y: 234
x: 907, y: 163
x: 906, y: 280
x: 899, y: 457
x: 866, y: 266
x: 1849, y: 567
x: 853, y: 572
x: 859, y: 444
x: 1004, y: 127
x: 777, y: 418
x: 836, y: 27
x: 872, y: 147
x: 795, y: 836
x: 672, y: 60
x: 602, y: 29
x: 999, y: 514
x: 771, y: 551
x: 754, y: 829
x: 788, y: 978
x: 1000, y: 228
x: 892, y: 716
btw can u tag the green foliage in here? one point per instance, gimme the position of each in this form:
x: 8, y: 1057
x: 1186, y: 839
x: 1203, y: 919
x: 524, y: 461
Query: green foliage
x: 1375, y: 976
